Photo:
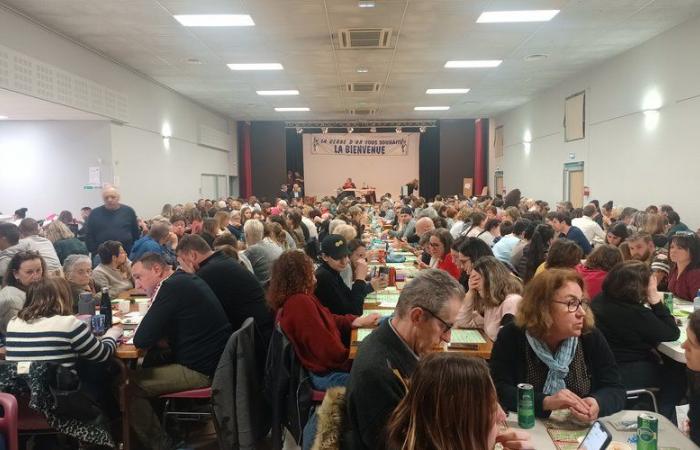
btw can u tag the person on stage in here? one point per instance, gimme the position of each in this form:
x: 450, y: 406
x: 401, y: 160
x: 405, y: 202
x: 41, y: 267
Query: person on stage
x: 349, y: 184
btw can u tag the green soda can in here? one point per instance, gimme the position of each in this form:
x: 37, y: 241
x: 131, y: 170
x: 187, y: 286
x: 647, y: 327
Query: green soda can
x: 668, y: 301
x: 647, y: 432
x: 526, y: 406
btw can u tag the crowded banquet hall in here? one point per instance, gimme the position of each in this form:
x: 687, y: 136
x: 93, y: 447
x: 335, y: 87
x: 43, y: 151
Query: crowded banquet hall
x: 349, y: 224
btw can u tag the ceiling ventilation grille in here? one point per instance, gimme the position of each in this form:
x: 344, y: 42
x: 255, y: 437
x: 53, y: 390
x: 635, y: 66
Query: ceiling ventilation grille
x: 362, y: 112
x: 363, y: 86
x: 364, y: 38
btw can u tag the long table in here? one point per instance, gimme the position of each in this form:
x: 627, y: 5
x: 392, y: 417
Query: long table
x: 681, y: 310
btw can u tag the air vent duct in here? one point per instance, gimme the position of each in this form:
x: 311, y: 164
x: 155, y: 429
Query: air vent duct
x: 364, y: 38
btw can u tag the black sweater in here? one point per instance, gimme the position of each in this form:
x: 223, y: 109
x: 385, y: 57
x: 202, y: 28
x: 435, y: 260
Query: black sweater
x: 188, y: 315
x: 631, y: 329
x: 239, y: 293
x: 374, y: 390
x: 335, y: 295
x: 112, y: 225
x: 509, y: 368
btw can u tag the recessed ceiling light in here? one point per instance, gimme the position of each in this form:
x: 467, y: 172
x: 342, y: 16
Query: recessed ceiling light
x: 447, y: 91
x: 541, y: 15
x: 4, y: 117
x: 431, y: 108
x: 282, y: 92
x: 292, y: 109
x: 256, y: 66
x: 362, y: 70
x: 194, y: 61
x: 474, y: 64
x: 215, y: 20
x: 365, y: 4
x: 536, y: 57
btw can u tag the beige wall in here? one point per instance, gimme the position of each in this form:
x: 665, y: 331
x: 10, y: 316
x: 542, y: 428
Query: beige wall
x: 323, y: 174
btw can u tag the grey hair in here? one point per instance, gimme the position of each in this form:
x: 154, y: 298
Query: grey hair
x: 254, y: 231
x: 427, y: 212
x: 334, y: 223
x: 71, y: 260
x: 430, y: 289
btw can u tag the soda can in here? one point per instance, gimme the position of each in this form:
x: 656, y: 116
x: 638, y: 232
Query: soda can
x: 97, y: 323
x: 526, y: 406
x: 668, y: 301
x: 647, y: 432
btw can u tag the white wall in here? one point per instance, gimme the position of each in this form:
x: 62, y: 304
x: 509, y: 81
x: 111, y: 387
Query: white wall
x: 136, y: 145
x: 626, y: 158
x: 44, y: 165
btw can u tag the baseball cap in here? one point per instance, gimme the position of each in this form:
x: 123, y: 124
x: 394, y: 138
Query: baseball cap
x: 334, y: 245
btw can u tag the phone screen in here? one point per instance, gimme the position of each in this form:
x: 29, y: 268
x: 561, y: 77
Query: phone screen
x: 596, y: 439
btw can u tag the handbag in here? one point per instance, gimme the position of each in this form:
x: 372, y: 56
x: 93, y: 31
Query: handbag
x: 69, y: 401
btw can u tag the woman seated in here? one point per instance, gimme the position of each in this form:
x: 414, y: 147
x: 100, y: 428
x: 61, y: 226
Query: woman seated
x: 114, y: 270
x: 261, y: 251
x: 601, y: 261
x: 77, y: 270
x: 492, y: 231
x: 440, y: 251
x: 684, y: 278
x: 359, y: 256
x: 442, y: 384
x: 562, y: 254
x: 617, y: 233
x: 478, y: 220
x: 210, y: 229
x: 467, y: 253
x: 319, y: 337
x: 25, y: 269
x: 492, y: 299
x: 64, y: 241
x: 554, y: 346
x: 633, y: 330
x: 692, y: 357
x: 535, y: 251
x: 331, y: 290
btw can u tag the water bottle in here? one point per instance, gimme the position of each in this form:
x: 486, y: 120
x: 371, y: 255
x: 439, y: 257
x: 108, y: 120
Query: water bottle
x: 696, y: 301
x: 106, y: 307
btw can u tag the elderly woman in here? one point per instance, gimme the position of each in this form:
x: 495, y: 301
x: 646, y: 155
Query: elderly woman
x: 261, y: 252
x: 77, y: 270
x: 25, y: 269
x: 64, y: 241
x: 554, y: 346
x: 114, y: 272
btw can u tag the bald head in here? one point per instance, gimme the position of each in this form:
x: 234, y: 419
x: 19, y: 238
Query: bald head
x: 110, y: 197
x: 423, y: 225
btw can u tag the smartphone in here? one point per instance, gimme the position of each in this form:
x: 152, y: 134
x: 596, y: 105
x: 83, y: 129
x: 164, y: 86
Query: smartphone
x: 598, y: 437
x: 384, y: 272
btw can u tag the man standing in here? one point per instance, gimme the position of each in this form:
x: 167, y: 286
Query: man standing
x: 29, y: 229
x: 185, y: 331
x: 111, y: 222
x: 561, y: 223
x: 425, y: 314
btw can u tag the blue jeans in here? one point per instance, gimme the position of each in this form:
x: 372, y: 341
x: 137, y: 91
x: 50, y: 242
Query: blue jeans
x: 321, y: 383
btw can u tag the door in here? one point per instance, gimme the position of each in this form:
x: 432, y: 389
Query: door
x: 209, y: 187
x: 573, y: 183
x: 498, y: 183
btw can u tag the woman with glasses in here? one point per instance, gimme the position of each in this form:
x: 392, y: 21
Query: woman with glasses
x: 553, y: 346
x: 632, y: 329
x: 492, y: 299
x: 439, y: 247
x: 684, y: 252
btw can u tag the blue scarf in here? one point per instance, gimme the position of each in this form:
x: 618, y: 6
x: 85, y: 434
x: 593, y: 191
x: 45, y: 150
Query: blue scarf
x: 557, y: 364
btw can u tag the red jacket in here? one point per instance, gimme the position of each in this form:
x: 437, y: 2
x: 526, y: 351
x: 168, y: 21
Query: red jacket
x: 316, y: 334
x: 448, y: 265
x: 592, y: 279
x: 686, y: 285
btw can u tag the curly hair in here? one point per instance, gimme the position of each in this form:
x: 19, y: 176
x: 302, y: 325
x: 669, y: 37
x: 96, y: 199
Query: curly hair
x: 292, y: 273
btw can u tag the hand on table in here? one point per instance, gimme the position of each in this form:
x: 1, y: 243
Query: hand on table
x: 593, y: 410
x: 115, y: 332
x: 369, y: 320
x: 565, y: 399
x: 515, y: 440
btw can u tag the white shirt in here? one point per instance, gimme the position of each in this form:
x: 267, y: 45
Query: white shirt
x: 313, y: 232
x: 590, y: 228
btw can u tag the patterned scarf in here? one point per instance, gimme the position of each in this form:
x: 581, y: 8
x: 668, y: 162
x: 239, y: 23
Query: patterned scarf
x: 557, y: 364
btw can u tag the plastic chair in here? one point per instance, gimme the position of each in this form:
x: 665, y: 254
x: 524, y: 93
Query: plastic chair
x: 192, y: 394
x: 635, y: 393
x: 9, y: 420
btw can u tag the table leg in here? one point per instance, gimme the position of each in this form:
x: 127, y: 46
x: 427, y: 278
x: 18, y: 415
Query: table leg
x: 123, y: 391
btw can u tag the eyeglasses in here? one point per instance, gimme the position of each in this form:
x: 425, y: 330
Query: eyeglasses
x: 573, y: 304
x: 446, y: 326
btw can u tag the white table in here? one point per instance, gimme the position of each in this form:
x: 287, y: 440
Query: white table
x: 669, y: 435
x: 673, y: 349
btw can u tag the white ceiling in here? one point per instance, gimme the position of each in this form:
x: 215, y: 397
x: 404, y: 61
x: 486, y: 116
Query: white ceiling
x: 300, y: 33
x: 23, y: 107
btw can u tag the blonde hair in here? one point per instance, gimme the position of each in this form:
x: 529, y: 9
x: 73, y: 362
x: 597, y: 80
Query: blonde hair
x: 57, y: 230
x: 498, y: 283
x: 347, y: 231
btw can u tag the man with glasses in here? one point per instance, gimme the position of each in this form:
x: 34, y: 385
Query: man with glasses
x: 425, y: 314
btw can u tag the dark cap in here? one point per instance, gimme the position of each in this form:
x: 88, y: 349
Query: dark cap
x: 334, y: 245
x: 407, y: 210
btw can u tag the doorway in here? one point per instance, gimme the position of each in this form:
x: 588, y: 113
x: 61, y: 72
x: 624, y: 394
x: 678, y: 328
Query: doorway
x: 498, y: 187
x: 573, y: 183
x: 214, y: 187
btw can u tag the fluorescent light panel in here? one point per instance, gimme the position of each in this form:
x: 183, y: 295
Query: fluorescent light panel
x: 256, y: 66
x: 365, y: 4
x: 473, y: 64
x: 4, y: 117
x: 431, y: 108
x: 535, y: 15
x: 447, y: 91
x: 281, y: 92
x: 215, y: 20
x: 292, y: 109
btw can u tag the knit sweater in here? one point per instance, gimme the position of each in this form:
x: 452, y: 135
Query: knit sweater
x: 115, y: 280
x: 686, y: 285
x: 11, y: 301
x: 112, y: 225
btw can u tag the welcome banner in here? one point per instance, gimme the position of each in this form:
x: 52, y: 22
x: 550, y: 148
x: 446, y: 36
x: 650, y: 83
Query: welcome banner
x: 367, y: 144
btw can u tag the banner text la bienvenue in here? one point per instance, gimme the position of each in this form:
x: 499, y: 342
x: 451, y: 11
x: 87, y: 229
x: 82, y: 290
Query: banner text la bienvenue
x: 373, y: 144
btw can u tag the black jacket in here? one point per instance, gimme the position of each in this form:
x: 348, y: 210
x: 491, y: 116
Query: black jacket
x: 188, y: 315
x: 374, y: 390
x: 112, y: 225
x: 335, y: 295
x: 631, y: 329
x: 509, y: 368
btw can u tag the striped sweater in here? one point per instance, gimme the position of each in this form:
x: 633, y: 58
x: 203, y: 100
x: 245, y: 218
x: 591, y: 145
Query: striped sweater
x: 62, y: 339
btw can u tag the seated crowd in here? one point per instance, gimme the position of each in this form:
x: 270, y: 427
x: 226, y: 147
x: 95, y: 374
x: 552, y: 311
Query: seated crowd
x: 571, y: 298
